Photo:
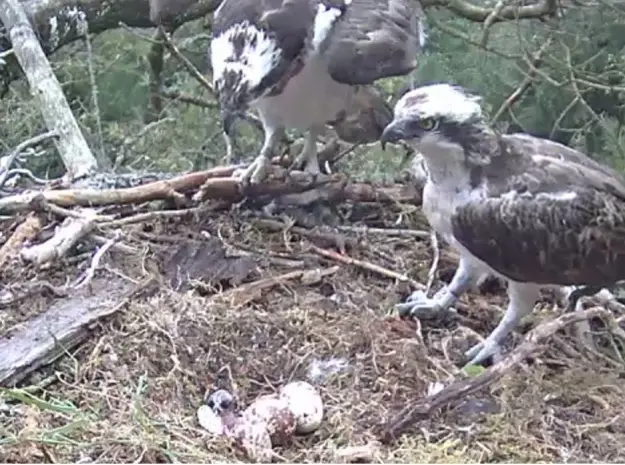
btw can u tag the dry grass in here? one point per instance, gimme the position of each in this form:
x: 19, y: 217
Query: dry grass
x: 131, y: 392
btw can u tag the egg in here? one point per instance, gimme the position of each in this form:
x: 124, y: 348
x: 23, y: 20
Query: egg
x: 253, y: 437
x: 275, y: 413
x: 305, y: 404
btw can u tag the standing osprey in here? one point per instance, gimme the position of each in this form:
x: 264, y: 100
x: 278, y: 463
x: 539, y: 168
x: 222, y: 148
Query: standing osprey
x: 532, y: 211
x: 300, y: 62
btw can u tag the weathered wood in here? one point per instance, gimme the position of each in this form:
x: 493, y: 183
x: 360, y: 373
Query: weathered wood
x: 218, y: 184
x: 70, y: 143
x: 64, y: 325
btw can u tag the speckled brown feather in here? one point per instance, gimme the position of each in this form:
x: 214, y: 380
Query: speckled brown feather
x: 536, y: 237
x: 365, y: 118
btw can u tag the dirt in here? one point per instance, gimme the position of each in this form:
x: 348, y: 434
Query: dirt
x: 131, y: 391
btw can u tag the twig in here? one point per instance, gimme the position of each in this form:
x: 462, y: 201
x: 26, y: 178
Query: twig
x: 435, y: 259
x: 528, y: 80
x: 141, y: 217
x: 490, y: 20
x: 5, y: 170
x: 393, y: 232
x: 534, y: 342
x: 186, y: 62
x: 95, y: 262
x: 366, y: 266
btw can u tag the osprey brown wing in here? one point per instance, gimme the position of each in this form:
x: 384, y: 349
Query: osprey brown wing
x: 548, y: 220
x: 374, y: 39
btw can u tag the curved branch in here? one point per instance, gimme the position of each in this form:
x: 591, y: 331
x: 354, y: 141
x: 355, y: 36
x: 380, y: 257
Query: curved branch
x: 477, y: 13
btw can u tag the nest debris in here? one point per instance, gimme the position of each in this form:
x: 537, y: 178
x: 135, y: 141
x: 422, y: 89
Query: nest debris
x: 222, y: 298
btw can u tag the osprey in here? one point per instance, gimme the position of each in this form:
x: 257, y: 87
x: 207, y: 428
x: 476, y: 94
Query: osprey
x: 299, y: 63
x: 532, y: 211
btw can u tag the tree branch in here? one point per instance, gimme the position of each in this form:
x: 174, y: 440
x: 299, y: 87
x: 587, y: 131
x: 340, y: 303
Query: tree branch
x: 480, y: 14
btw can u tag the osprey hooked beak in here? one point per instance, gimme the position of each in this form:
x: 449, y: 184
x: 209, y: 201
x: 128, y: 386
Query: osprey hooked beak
x: 394, y: 132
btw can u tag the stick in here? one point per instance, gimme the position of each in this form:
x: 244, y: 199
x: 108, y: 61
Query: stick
x: 95, y: 262
x: 246, y: 293
x: 385, y: 231
x: 534, y: 342
x: 367, y: 266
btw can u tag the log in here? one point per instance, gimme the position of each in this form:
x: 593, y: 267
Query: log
x: 70, y: 143
x: 60, y: 328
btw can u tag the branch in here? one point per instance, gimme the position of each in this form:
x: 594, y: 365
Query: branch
x: 480, y: 14
x: 535, y: 61
x: 216, y: 184
x: 5, y: 171
x: 534, y: 342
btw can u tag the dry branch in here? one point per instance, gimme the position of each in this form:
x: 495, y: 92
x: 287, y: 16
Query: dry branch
x: 367, y: 266
x: 217, y: 185
x: 534, y: 342
x: 64, y: 325
x: 72, y: 230
x: 71, y: 145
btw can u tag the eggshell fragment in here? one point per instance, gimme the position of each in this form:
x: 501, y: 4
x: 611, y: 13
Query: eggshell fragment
x: 305, y: 404
x: 210, y: 421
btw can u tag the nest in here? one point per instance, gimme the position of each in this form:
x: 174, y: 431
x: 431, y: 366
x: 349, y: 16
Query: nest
x: 233, y: 299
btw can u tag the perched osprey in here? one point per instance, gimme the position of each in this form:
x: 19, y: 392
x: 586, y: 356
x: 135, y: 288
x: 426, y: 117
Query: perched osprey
x: 300, y: 62
x: 531, y: 211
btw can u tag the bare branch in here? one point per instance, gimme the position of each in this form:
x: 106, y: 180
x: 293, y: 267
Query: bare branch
x: 5, y: 170
x: 479, y: 14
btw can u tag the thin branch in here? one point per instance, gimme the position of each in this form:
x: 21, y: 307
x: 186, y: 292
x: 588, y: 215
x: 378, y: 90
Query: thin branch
x: 5, y: 170
x: 367, y: 266
x: 527, y: 82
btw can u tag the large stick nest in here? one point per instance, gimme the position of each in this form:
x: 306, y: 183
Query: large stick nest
x: 224, y: 297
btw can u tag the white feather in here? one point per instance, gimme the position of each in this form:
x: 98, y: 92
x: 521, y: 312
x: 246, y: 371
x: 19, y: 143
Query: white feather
x: 438, y: 100
x: 254, y: 62
x: 324, y: 20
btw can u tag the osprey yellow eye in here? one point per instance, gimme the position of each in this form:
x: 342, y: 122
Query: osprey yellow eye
x: 427, y: 123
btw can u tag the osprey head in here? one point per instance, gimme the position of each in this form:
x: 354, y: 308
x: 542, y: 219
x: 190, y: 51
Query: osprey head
x: 242, y: 57
x: 442, y: 111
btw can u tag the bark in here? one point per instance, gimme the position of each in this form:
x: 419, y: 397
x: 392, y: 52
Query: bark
x: 56, y: 331
x: 70, y: 143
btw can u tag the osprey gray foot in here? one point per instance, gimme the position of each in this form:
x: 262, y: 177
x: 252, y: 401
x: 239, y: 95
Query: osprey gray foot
x: 419, y: 305
x: 255, y: 173
x: 480, y: 353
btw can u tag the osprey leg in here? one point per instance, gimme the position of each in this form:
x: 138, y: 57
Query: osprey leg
x: 420, y: 306
x: 258, y: 168
x: 307, y: 158
x: 522, y: 299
